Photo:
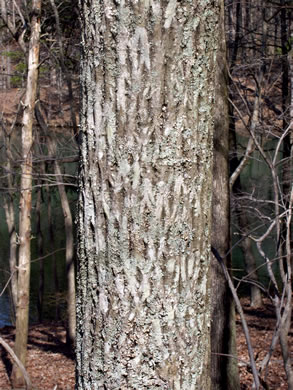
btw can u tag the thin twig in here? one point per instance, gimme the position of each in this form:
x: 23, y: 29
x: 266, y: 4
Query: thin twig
x: 18, y: 362
x: 243, y: 320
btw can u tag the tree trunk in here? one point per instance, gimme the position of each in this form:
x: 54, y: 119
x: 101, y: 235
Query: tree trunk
x: 40, y: 253
x: 70, y: 269
x: 54, y: 262
x: 236, y: 186
x: 250, y: 266
x: 143, y: 300
x: 224, y: 369
x: 22, y: 312
x: 10, y: 220
x: 65, y: 70
x: 243, y: 224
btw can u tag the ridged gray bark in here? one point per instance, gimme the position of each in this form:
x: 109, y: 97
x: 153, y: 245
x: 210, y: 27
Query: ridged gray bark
x: 143, y: 299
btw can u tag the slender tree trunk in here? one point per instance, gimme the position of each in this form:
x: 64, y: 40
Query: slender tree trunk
x: 40, y: 252
x: 290, y: 61
x: 288, y: 141
x: 70, y: 268
x: 8, y: 70
x: 22, y: 313
x: 236, y: 186
x: 70, y: 271
x: 246, y: 245
x: 10, y: 219
x: 65, y: 71
x: 52, y: 241
x: 250, y: 265
x: 236, y: 43
x: 286, y: 248
x: 224, y: 369
x: 143, y: 301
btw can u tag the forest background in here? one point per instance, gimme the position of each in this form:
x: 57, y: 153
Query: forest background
x: 259, y: 81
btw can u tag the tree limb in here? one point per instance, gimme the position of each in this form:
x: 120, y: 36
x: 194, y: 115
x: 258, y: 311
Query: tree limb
x: 18, y: 362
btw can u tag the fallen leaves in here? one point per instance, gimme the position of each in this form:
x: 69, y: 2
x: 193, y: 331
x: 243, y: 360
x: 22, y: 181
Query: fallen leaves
x: 51, y: 365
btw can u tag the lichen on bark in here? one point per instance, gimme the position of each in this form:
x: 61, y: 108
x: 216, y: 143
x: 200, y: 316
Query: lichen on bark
x: 143, y: 303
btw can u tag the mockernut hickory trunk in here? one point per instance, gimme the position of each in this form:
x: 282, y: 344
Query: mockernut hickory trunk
x: 143, y: 299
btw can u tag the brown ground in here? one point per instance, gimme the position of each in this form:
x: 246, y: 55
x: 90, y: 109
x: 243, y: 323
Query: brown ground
x: 261, y: 323
x: 51, y: 366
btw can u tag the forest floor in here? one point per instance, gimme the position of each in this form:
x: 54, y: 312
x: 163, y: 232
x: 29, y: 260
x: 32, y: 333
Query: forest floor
x: 51, y: 366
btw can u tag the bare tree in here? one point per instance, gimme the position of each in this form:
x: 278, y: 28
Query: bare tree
x: 260, y: 99
x: 24, y: 257
x: 64, y: 69
x: 70, y: 270
x: 9, y: 207
x: 17, y: 31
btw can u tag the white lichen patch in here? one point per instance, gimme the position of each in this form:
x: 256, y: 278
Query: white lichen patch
x: 103, y: 302
x: 170, y: 13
